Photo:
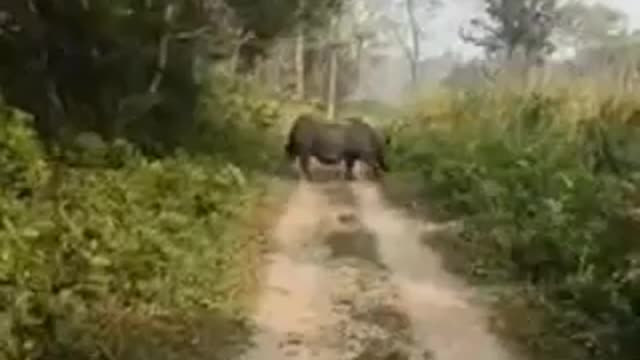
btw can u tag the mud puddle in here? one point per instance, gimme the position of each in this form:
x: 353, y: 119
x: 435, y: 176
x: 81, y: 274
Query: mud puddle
x: 348, y: 279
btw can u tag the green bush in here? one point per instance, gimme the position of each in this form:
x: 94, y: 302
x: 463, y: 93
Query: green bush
x: 21, y: 157
x: 548, y: 204
x: 107, y: 253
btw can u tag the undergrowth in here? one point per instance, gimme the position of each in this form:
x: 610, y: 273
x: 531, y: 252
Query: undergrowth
x: 548, y: 196
x: 113, y: 254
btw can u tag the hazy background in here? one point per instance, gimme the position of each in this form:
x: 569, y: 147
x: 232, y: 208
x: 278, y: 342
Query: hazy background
x: 443, y: 34
x: 442, y: 48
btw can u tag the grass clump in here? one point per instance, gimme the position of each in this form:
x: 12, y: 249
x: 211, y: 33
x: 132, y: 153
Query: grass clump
x: 548, y: 197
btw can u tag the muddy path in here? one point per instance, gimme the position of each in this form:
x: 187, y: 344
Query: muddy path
x: 349, y: 278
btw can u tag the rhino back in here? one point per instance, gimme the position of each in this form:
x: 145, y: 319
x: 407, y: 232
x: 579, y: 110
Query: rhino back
x: 328, y: 141
x: 362, y: 137
x: 303, y: 129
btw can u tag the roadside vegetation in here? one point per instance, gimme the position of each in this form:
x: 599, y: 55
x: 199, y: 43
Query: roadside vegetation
x: 111, y: 253
x: 546, y: 185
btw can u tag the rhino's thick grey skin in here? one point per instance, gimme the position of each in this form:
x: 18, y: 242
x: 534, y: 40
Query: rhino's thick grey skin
x: 311, y: 137
x: 366, y: 144
x: 379, y: 138
x: 333, y: 143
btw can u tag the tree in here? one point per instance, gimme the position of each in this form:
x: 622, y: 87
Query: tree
x: 603, y: 48
x: 268, y: 19
x: 314, y: 14
x: 410, y: 30
x: 91, y: 64
x: 332, y: 96
x: 583, y: 25
x: 397, y: 24
x: 360, y: 22
x: 128, y: 67
x: 513, y: 25
x: 300, y: 47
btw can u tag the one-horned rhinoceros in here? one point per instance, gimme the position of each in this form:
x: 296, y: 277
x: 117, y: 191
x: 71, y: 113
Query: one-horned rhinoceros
x: 333, y: 143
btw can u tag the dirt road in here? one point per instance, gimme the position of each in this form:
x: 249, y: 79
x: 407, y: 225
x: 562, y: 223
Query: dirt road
x: 349, y: 278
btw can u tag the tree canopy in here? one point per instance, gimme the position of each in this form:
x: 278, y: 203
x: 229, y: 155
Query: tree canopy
x: 513, y: 25
x: 117, y: 66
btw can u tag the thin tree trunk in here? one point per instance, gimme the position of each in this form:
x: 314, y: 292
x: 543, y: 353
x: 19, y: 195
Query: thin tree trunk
x: 235, y: 56
x: 333, y: 69
x: 359, y: 46
x: 300, y: 68
x: 276, y: 69
x: 333, y: 82
x: 299, y: 57
x: 415, y: 42
x: 163, y: 53
x: 235, y: 59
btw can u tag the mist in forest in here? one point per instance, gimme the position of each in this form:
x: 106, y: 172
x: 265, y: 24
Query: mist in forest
x: 385, y: 75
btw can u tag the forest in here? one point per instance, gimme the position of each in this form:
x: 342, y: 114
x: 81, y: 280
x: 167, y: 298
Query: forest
x: 142, y: 146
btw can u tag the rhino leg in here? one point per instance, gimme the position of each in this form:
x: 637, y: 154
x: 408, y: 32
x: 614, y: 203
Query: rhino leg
x: 304, y: 164
x: 374, y: 165
x: 349, y: 163
x: 375, y: 171
x: 382, y: 163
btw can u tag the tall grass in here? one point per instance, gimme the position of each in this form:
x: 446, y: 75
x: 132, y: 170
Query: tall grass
x: 547, y: 185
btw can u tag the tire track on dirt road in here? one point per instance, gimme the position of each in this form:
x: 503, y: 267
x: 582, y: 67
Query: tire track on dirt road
x: 349, y: 279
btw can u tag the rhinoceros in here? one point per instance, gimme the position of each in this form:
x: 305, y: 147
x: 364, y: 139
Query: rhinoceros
x: 333, y: 143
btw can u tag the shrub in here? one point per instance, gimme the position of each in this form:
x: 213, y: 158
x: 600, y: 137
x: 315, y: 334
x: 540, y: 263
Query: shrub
x: 547, y: 200
x: 114, y: 254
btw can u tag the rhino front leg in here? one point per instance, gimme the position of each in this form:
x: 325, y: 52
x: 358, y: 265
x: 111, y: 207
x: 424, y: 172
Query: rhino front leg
x: 349, y: 164
x: 376, y: 171
x: 304, y: 164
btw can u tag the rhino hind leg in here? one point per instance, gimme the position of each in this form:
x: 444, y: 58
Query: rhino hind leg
x: 382, y: 163
x: 304, y: 165
x: 375, y: 166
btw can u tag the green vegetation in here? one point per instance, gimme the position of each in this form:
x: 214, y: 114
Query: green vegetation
x: 547, y: 189
x: 131, y: 68
x: 114, y: 254
x: 131, y: 175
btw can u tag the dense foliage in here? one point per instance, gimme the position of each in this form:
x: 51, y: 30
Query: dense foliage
x: 91, y: 247
x: 130, y: 68
x: 131, y: 171
x: 548, y: 204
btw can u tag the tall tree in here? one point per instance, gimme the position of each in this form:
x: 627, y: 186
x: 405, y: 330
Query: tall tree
x: 413, y: 31
x: 333, y: 67
x: 89, y: 62
x: 300, y: 48
x: 360, y: 21
x: 401, y: 24
x: 310, y: 15
x: 583, y: 25
x: 513, y: 25
x: 604, y: 49
x: 129, y: 65
x: 268, y: 19
x: 414, y: 53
